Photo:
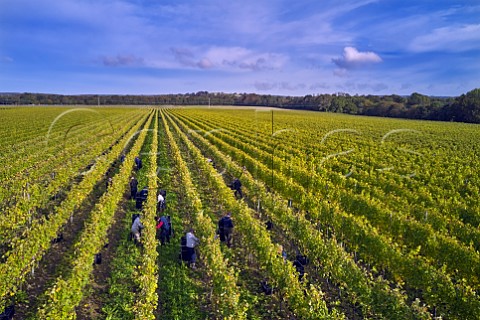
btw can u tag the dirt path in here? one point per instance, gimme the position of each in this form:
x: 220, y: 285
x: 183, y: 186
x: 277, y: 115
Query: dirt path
x: 91, y: 306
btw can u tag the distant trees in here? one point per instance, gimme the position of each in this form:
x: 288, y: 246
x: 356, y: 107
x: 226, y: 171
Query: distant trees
x: 418, y: 99
x: 465, y: 108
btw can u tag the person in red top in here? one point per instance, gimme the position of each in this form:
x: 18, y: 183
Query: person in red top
x: 164, y: 225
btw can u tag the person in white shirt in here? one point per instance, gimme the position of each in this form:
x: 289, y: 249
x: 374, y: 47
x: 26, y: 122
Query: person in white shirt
x: 161, y: 204
x: 192, y: 242
x: 160, y: 198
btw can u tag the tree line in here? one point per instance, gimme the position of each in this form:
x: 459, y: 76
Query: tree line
x: 465, y: 108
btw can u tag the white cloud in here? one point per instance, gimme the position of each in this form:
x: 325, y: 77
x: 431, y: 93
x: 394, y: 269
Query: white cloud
x: 352, y: 58
x: 228, y: 58
x: 205, y: 64
x: 452, y: 39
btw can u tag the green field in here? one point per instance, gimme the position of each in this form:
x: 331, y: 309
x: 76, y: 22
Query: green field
x: 387, y: 212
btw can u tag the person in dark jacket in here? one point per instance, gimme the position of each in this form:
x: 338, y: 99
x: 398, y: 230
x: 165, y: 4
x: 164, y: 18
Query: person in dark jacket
x: 9, y: 313
x: 237, y: 187
x: 299, y: 264
x: 133, y: 187
x: 138, y: 163
x: 141, y: 197
x: 225, y: 228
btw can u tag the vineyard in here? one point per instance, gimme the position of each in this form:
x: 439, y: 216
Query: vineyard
x: 384, y: 213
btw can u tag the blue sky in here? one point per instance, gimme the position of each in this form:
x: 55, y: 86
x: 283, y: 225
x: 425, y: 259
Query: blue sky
x: 268, y: 47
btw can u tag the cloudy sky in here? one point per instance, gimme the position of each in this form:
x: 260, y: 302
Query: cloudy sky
x: 264, y: 46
